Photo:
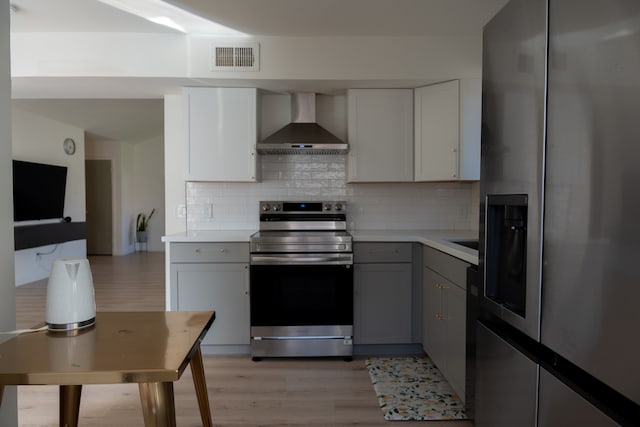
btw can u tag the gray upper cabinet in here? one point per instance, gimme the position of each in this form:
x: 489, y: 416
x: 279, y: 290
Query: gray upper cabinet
x: 380, y: 132
x: 447, y: 131
x: 222, y: 134
x: 431, y: 133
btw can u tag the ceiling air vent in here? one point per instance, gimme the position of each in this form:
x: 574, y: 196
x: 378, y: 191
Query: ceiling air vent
x: 235, y: 57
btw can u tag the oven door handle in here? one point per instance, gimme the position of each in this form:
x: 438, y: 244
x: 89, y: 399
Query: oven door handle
x: 302, y: 259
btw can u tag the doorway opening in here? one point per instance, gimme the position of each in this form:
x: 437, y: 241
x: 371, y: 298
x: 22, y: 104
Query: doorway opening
x: 99, y: 200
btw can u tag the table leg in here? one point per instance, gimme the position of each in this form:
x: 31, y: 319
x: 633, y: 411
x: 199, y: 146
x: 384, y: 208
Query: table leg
x: 197, y: 371
x: 158, y: 406
x: 69, y: 405
x: 1, y: 394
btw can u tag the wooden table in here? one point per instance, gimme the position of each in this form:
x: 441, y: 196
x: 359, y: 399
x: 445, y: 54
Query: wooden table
x: 149, y: 348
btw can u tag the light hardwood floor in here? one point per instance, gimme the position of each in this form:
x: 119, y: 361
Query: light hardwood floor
x: 273, y: 392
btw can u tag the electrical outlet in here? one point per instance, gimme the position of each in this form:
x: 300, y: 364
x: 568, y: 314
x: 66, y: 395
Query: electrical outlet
x: 202, y: 211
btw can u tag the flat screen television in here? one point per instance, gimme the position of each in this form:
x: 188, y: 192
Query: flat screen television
x: 38, y: 191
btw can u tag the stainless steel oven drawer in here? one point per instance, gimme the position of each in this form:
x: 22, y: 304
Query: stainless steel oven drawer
x: 313, y: 347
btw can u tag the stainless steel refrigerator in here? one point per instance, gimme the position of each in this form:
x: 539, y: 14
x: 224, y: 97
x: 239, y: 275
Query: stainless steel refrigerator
x: 558, y: 341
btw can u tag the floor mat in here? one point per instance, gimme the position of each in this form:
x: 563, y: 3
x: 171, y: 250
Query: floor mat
x: 412, y: 388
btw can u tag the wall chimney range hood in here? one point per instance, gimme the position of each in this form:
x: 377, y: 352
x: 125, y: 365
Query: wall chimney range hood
x: 303, y: 135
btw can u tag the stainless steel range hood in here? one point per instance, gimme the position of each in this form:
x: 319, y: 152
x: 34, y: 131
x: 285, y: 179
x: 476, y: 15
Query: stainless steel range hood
x: 303, y: 135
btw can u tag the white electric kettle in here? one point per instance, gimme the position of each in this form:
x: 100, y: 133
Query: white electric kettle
x: 71, y: 300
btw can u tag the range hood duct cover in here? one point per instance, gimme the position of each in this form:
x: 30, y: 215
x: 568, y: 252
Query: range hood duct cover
x: 303, y: 135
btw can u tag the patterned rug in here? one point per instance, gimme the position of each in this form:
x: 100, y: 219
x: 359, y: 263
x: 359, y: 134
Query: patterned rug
x: 412, y: 388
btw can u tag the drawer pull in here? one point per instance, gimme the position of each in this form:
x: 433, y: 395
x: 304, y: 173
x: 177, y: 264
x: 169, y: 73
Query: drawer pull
x: 221, y: 250
x: 382, y: 252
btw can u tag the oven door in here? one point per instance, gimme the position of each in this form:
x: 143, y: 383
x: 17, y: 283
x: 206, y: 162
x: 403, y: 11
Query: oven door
x: 301, y: 307
x: 316, y: 293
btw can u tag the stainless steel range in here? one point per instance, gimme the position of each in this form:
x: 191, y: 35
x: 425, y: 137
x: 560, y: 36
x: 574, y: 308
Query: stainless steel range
x: 301, y: 281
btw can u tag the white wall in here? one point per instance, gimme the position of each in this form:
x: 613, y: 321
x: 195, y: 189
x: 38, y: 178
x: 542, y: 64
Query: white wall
x: 148, y: 179
x: 128, y: 206
x: 8, y: 410
x: 38, y: 139
x: 175, y: 155
x: 351, y: 58
x: 137, y: 185
x: 399, y: 206
x: 98, y: 54
x: 356, y: 59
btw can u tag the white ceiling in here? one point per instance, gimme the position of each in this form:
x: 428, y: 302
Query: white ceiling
x: 76, y: 16
x: 127, y: 119
x: 347, y: 17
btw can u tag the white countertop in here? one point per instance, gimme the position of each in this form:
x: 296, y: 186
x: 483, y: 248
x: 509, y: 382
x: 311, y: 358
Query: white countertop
x: 437, y: 239
x: 210, y: 236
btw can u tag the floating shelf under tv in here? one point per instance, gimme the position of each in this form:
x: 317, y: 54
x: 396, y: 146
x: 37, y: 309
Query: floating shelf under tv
x: 33, y: 236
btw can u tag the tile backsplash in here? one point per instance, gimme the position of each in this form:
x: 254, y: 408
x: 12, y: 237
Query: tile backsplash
x: 212, y: 205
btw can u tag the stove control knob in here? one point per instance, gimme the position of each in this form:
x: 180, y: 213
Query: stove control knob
x: 338, y: 206
x: 275, y: 208
x: 266, y: 207
x: 327, y: 207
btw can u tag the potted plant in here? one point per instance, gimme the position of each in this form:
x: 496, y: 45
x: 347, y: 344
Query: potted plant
x: 142, y: 222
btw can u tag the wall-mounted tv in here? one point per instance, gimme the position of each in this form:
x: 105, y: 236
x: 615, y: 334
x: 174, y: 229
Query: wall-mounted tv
x: 38, y: 191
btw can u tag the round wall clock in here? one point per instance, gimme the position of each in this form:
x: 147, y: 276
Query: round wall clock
x: 69, y: 146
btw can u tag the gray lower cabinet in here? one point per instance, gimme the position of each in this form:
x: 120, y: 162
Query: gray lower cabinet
x: 383, y: 293
x: 444, y: 308
x: 213, y: 276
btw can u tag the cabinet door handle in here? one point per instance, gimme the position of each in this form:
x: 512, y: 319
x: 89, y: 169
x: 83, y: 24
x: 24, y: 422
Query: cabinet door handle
x: 455, y: 163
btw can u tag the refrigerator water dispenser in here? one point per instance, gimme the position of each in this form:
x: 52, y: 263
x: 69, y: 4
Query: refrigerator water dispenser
x: 506, y: 247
